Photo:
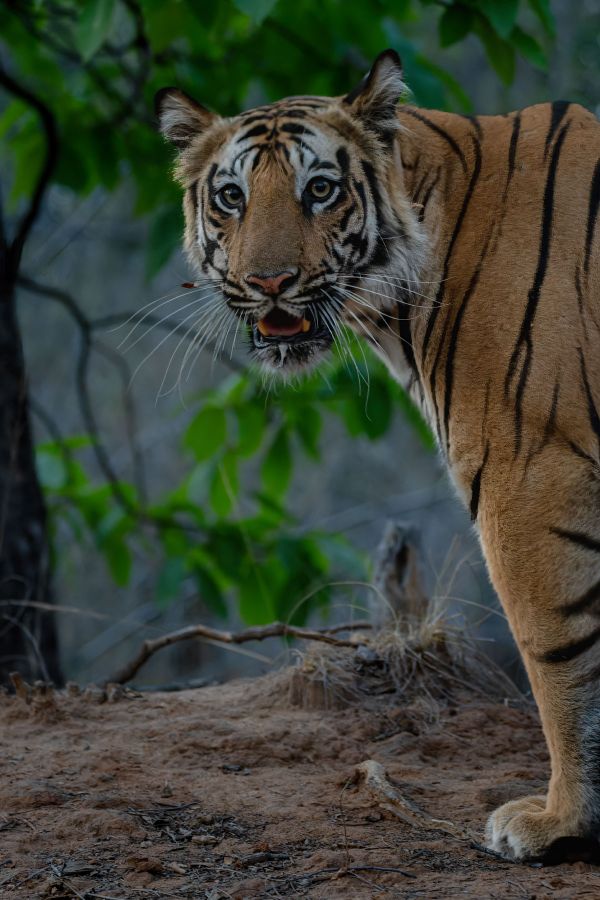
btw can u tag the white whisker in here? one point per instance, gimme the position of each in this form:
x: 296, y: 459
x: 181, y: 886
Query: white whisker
x: 204, y: 314
x: 201, y: 299
x: 337, y: 304
x: 401, y: 299
x: 147, y: 306
x: 208, y: 336
x: 159, y: 345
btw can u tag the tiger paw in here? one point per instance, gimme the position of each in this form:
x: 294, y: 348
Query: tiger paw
x: 524, y: 830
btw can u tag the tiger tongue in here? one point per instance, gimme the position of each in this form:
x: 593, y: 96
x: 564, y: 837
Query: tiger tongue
x: 278, y: 323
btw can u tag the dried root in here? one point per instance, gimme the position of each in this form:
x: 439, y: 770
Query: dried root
x: 373, y: 776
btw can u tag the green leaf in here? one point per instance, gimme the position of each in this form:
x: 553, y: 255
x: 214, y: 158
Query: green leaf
x: 257, y: 10
x: 210, y: 592
x: 51, y: 470
x: 164, y: 238
x: 72, y: 168
x: 377, y: 411
x: 225, y: 485
x: 170, y: 580
x: 118, y: 557
x: 11, y: 115
x: 93, y: 26
x: 276, y: 470
x: 207, y: 433
x: 308, y: 425
x: 529, y: 48
x: 543, y: 11
x: 500, y: 53
x: 501, y: 14
x: 252, y: 425
x: 226, y: 550
x: 454, y: 24
x: 27, y: 150
x: 257, y: 594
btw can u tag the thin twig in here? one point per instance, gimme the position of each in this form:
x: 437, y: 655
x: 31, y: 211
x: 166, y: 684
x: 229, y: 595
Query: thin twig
x: 275, y: 629
x: 50, y: 159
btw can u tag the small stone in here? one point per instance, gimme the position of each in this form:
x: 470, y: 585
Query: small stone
x: 176, y: 867
x: 204, y: 839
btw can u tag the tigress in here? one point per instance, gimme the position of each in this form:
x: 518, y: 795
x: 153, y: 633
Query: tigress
x: 466, y: 251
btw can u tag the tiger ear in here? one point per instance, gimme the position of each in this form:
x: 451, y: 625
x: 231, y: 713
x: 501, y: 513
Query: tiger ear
x: 179, y: 117
x: 375, y: 99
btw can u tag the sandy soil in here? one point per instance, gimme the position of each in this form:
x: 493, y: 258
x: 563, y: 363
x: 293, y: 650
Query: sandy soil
x: 235, y: 791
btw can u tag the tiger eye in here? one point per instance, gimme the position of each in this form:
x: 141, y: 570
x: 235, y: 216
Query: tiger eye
x: 320, y: 188
x: 231, y: 195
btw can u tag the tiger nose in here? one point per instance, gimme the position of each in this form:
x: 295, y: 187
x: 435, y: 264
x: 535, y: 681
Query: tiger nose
x: 273, y: 284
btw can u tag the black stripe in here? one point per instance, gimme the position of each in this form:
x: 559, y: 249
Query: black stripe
x: 579, y: 294
x: 434, y: 311
x: 348, y: 212
x: 259, y: 117
x: 433, y: 376
x: 592, y: 215
x: 512, y: 150
x: 321, y: 164
x: 524, y: 338
x: 579, y: 451
x: 549, y: 426
x: 405, y: 334
x: 343, y: 160
x: 592, y: 411
x: 375, y: 195
x: 452, y: 344
x: 457, y: 227
x: 559, y: 108
x: 570, y: 651
x: 252, y: 132
x: 419, y: 187
x: 293, y: 128
x: 582, y: 604
x: 439, y: 131
x: 476, y: 485
x: 578, y: 537
x: 551, y: 420
x: 474, y: 122
x: 427, y: 195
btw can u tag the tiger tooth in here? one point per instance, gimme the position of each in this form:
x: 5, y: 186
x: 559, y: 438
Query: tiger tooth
x: 305, y: 325
x: 262, y: 328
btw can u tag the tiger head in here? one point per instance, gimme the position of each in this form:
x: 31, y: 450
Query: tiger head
x: 290, y: 206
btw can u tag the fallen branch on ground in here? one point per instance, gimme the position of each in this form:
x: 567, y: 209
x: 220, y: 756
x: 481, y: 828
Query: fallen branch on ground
x: 375, y: 779
x: 203, y: 632
x: 387, y: 797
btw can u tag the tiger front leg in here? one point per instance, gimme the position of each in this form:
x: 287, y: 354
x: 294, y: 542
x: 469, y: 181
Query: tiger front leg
x: 542, y: 544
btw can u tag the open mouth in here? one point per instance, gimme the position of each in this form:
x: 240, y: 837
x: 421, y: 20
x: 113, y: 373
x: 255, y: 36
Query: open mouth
x: 278, y: 324
x: 281, y: 340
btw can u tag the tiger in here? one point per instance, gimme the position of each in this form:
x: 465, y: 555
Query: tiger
x: 465, y: 250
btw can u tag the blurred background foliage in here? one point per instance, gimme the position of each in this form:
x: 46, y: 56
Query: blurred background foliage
x: 213, y: 525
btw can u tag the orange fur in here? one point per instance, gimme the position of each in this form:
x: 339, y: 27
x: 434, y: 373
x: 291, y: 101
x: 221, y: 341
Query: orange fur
x: 491, y: 317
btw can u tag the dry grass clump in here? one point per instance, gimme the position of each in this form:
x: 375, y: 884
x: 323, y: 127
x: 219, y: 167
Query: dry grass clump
x: 425, y: 657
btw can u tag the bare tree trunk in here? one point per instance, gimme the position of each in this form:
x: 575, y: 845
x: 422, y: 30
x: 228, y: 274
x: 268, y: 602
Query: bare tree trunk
x: 28, y: 642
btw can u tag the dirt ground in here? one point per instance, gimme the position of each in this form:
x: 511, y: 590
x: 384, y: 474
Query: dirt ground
x: 242, y: 791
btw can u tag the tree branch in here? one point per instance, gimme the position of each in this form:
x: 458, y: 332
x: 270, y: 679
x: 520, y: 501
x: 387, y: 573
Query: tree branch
x: 203, y: 632
x: 88, y: 343
x: 3, y: 244
x: 15, y: 249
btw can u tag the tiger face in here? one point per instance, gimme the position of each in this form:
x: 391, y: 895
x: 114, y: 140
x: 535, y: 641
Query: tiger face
x: 290, y: 206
